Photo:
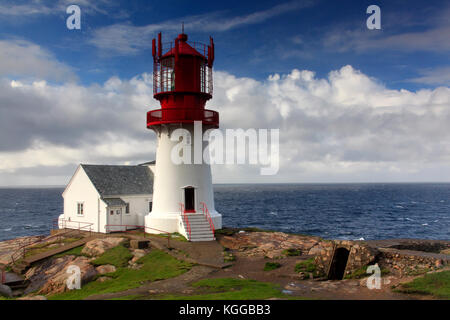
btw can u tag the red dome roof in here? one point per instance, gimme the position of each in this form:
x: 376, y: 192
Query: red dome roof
x: 183, y: 48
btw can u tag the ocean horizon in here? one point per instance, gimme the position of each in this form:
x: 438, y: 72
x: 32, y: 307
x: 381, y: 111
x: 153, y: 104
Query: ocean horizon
x: 352, y: 211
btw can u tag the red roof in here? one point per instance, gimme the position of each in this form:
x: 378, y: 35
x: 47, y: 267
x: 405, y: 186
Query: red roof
x: 184, y: 48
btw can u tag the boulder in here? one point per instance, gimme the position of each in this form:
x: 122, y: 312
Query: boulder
x: 137, y: 254
x: 97, y: 247
x: 57, y: 283
x: 107, y: 268
x: 5, y: 291
x: 103, y: 279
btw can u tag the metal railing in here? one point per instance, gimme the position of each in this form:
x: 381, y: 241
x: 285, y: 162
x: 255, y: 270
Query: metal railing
x: 182, y: 115
x: 186, y: 220
x: 208, y: 217
x: 22, y: 250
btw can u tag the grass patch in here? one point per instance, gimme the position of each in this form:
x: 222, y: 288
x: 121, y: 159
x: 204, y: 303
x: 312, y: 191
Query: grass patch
x: 44, y: 247
x: 72, y: 252
x: 306, y: 266
x: 230, y: 289
x: 436, y: 284
x: 292, y: 252
x: 117, y: 256
x: 157, y: 265
x: 362, y: 273
x: 271, y: 266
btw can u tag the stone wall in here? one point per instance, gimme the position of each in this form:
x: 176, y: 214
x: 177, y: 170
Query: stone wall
x: 405, y: 262
x: 360, y: 255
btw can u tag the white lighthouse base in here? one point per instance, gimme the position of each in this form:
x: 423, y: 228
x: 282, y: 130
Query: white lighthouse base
x: 173, y: 222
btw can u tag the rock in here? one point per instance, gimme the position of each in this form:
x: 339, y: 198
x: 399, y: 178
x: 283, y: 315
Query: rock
x: 5, y: 291
x: 107, y: 268
x: 154, y: 291
x: 438, y: 263
x: 103, y: 279
x: 38, y: 297
x: 97, y: 247
x: 137, y: 254
x: 315, y: 250
x: 446, y: 251
x: 57, y: 282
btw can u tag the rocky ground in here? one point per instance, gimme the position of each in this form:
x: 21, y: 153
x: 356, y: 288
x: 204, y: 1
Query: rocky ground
x: 244, y: 255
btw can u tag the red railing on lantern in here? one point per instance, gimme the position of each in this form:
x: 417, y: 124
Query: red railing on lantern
x: 182, y: 115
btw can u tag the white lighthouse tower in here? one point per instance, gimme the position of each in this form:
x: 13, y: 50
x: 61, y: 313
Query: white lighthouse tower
x: 183, y: 199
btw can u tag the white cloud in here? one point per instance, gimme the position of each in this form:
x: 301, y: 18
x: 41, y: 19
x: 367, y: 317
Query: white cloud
x: 437, y: 76
x: 345, y: 127
x: 125, y: 38
x: 24, y: 9
x: 22, y: 58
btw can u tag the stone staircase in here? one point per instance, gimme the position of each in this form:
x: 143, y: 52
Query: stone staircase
x: 200, y: 228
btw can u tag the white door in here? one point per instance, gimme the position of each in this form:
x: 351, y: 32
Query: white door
x: 115, y: 219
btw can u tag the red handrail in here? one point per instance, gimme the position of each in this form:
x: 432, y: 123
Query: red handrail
x: 186, y: 220
x: 208, y: 216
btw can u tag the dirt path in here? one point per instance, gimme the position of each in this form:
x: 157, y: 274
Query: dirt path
x: 177, y: 285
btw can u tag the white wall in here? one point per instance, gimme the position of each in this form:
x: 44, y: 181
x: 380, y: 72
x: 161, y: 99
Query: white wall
x: 80, y: 189
x: 138, y: 209
x: 169, y: 181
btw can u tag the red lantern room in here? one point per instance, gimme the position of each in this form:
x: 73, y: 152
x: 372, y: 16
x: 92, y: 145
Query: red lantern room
x: 182, y: 82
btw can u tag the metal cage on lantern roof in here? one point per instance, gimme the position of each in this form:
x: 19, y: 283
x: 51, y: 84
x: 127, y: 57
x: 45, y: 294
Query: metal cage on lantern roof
x: 164, y: 67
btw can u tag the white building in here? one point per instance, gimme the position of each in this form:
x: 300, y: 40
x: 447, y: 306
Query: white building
x: 107, y: 198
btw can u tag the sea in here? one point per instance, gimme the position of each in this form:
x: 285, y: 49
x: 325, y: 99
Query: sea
x: 332, y: 211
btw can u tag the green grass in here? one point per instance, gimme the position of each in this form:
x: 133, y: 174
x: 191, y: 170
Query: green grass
x: 230, y: 289
x: 436, y: 284
x: 117, y: 256
x: 44, y: 247
x: 157, y: 265
x: 362, y: 273
x: 306, y: 266
x: 271, y: 266
x: 292, y: 252
x: 72, y: 252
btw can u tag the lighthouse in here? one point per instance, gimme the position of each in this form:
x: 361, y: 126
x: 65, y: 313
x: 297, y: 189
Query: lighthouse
x: 183, y: 199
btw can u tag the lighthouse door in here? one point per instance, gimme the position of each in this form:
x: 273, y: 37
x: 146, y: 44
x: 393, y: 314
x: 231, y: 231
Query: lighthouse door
x: 189, y: 199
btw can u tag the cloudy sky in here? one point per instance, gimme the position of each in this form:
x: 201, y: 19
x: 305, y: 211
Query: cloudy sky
x: 352, y: 104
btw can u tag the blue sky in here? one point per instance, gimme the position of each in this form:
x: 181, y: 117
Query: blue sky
x: 351, y: 104
x: 253, y: 38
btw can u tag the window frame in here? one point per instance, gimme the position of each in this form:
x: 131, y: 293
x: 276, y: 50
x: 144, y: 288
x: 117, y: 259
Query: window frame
x: 80, y: 209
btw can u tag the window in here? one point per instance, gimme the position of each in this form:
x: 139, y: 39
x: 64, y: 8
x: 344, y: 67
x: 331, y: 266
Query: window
x: 127, y: 208
x: 111, y: 212
x: 150, y: 206
x: 80, y: 208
